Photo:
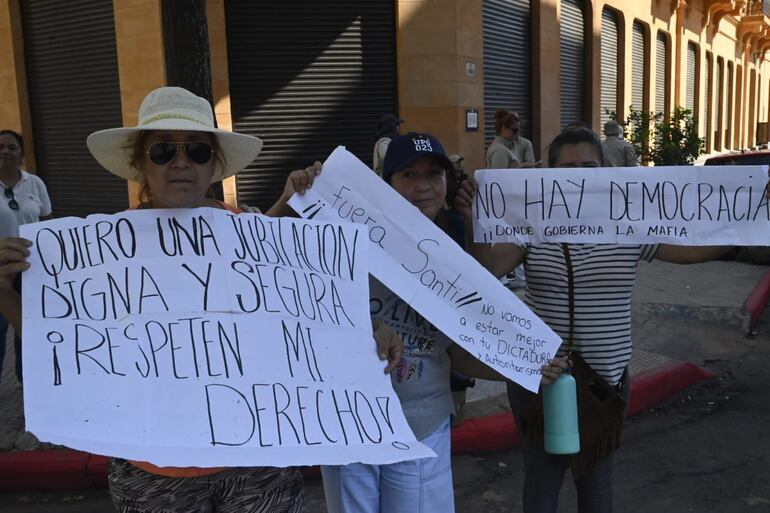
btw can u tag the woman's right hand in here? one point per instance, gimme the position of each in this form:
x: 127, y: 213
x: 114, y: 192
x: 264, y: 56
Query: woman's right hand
x: 553, y: 369
x: 13, y: 260
x: 298, y: 181
x: 301, y: 180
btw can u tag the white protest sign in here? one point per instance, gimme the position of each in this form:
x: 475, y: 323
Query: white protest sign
x: 688, y: 206
x: 429, y: 271
x: 198, y: 337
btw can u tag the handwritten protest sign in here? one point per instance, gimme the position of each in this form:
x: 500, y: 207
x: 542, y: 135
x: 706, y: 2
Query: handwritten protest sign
x: 428, y: 270
x: 689, y: 206
x: 198, y: 337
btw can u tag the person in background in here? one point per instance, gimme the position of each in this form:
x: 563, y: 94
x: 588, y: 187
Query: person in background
x: 457, y: 166
x: 602, y: 278
x: 509, y: 149
x: 417, y: 167
x: 25, y: 200
x: 617, y: 151
x: 387, y: 129
x: 502, y: 154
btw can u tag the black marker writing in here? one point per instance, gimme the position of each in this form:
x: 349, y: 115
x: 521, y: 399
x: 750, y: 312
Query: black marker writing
x: 282, y: 413
x: 73, y: 248
x: 299, y: 349
x: 178, y: 239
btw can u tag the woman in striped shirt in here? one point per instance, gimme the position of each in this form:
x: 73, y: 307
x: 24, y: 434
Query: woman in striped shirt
x: 603, y: 277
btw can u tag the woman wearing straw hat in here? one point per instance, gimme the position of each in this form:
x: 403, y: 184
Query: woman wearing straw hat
x: 174, y: 153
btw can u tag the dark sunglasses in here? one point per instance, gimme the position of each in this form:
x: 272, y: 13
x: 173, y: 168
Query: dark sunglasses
x: 162, y: 153
x: 12, y: 203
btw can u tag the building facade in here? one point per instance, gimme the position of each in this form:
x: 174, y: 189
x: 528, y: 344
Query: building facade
x: 307, y: 76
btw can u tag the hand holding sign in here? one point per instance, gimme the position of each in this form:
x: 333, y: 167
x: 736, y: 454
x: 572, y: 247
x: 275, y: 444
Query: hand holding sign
x: 691, y: 206
x: 389, y: 346
x: 466, y: 193
x: 197, y: 337
x: 13, y: 254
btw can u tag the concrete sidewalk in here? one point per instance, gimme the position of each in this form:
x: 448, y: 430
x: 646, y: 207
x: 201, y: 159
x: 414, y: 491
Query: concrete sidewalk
x: 662, y: 365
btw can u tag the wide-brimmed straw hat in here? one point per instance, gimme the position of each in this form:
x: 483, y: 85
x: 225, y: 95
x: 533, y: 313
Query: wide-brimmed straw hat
x: 172, y: 108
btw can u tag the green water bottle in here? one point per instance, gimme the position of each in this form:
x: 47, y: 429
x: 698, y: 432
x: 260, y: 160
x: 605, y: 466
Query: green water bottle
x: 562, y: 435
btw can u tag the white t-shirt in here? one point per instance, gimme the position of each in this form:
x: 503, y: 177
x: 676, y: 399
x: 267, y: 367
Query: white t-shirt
x: 421, y: 379
x: 31, y: 195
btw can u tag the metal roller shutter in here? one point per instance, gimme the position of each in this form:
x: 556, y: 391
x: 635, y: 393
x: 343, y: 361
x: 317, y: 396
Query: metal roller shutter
x: 609, y: 62
x: 661, y: 74
x: 572, y: 62
x: 72, y: 72
x: 718, y: 105
x: 507, y: 63
x: 305, y: 80
x: 706, y: 123
x: 637, y: 66
x: 691, y: 65
x: 751, y: 104
x: 738, y: 121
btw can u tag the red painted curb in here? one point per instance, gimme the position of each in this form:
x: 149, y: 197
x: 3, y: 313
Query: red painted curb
x: 485, y: 434
x: 656, y: 385
x: 97, y: 470
x: 62, y: 469
x: 757, y: 300
x: 67, y: 469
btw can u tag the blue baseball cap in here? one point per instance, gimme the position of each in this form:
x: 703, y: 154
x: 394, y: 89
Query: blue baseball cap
x: 405, y: 149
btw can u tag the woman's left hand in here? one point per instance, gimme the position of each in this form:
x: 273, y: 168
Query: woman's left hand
x: 298, y: 181
x: 553, y: 369
x: 390, y: 347
x: 301, y: 180
x: 13, y: 260
x: 466, y: 192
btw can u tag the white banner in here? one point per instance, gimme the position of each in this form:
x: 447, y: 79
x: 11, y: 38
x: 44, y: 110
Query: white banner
x: 198, y: 337
x: 428, y: 270
x: 688, y: 206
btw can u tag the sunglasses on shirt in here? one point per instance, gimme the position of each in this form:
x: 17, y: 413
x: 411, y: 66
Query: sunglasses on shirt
x: 12, y: 203
x: 162, y: 153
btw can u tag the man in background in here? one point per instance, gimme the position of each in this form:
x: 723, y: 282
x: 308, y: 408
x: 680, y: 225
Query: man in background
x: 617, y: 151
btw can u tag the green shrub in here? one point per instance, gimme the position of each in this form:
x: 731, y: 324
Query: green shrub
x: 672, y: 143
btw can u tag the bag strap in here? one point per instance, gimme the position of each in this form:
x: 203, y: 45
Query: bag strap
x: 570, y: 296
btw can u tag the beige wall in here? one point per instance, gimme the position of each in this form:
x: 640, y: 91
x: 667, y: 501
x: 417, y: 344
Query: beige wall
x: 141, y: 61
x: 684, y: 22
x: 436, y: 37
x: 435, y: 40
x: 545, y: 59
x: 14, y: 103
x: 220, y: 80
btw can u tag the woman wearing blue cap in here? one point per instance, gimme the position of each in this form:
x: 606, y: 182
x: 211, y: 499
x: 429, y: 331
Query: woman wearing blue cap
x: 417, y: 167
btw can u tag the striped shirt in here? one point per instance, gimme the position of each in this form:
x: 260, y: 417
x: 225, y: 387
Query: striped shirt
x: 604, y: 277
